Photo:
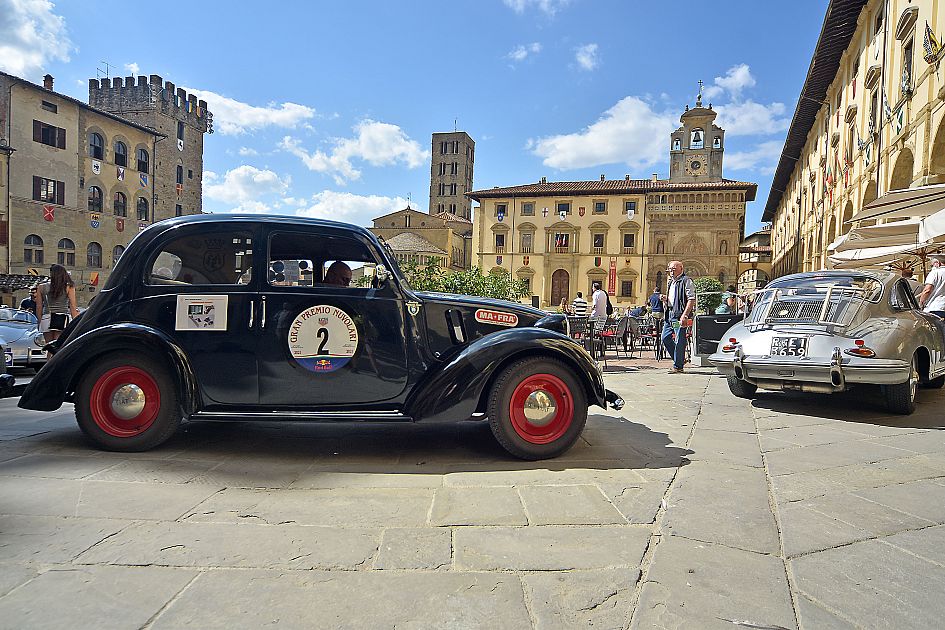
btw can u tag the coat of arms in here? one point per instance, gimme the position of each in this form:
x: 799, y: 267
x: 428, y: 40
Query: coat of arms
x: 580, y: 211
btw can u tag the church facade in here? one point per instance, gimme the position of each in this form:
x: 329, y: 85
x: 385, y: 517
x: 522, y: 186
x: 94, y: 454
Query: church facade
x: 562, y: 236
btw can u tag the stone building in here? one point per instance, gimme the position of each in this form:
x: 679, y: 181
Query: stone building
x: 562, y: 236
x: 754, y: 260
x: 451, y: 173
x: 422, y: 238
x: 83, y: 180
x: 870, y: 119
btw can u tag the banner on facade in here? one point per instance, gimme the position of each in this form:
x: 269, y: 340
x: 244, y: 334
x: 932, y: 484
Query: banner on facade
x: 612, y: 277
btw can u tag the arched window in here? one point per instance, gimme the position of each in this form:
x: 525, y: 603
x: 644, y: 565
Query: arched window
x: 121, y: 154
x: 33, y: 249
x: 180, y: 176
x: 717, y: 142
x: 143, y: 209
x: 120, y: 204
x: 95, y: 199
x: 117, y: 251
x: 96, y: 146
x: 94, y: 258
x: 65, y: 254
x: 697, y: 139
x: 723, y: 248
x: 143, y: 159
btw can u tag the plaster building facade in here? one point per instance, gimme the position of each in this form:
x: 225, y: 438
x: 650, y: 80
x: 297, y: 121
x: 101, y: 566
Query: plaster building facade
x: 414, y: 236
x: 451, y: 173
x: 562, y: 236
x: 754, y: 261
x: 84, y: 180
x: 870, y: 119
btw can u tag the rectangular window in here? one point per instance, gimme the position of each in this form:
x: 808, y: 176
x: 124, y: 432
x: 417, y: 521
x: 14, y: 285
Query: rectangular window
x: 528, y: 209
x: 452, y: 208
x: 190, y: 174
x: 561, y: 242
x: 66, y: 258
x: 49, y: 135
x: 180, y: 130
x: 907, y: 66
x: 629, y: 241
x: 626, y: 288
x: 180, y: 174
x: 527, y: 243
x: 500, y: 243
x: 443, y: 148
x: 598, y: 241
x: 455, y: 146
x: 600, y: 207
x: 49, y: 107
x: 630, y: 206
x: 217, y: 257
x: 454, y: 168
x: 178, y: 210
x: 564, y: 206
x: 501, y: 208
x: 453, y: 190
x: 442, y: 189
x: 49, y: 190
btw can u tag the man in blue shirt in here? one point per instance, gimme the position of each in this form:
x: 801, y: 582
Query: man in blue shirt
x: 680, y: 307
x: 656, y: 304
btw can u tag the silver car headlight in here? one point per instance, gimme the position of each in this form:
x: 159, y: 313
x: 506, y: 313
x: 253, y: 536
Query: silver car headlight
x: 39, y: 339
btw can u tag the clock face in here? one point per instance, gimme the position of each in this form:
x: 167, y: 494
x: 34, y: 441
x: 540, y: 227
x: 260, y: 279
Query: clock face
x: 695, y: 166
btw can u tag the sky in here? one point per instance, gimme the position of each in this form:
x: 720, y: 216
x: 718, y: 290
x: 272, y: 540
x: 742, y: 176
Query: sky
x: 326, y: 109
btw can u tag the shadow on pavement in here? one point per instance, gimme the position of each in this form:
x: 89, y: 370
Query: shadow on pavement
x: 860, y: 405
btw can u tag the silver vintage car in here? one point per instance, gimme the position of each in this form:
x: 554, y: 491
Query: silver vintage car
x: 21, y: 339
x: 826, y: 331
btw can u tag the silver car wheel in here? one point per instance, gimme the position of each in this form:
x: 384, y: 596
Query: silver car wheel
x: 913, y: 379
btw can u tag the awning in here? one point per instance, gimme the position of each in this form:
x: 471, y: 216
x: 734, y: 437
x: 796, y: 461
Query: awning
x: 907, y: 202
x: 885, y: 235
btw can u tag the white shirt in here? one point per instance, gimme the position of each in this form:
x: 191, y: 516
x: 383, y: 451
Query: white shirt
x: 936, y: 301
x: 600, y: 304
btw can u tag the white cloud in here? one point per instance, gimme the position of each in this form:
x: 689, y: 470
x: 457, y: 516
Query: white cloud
x: 736, y: 79
x: 133, y: 68
x: 521, y: 52
x: 245, y: 188
x: 629, y: 133
x: 245, y: 151
x: 586, y: 56
x: 232, y: 117
x: 749, y: 118
x: 550, y: 7
x: 377, y: 143
x: 348, y: 207
x: 33, y: 36
x: 762, y: 159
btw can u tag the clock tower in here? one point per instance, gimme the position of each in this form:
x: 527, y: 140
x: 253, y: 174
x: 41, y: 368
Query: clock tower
x: 695, y: 153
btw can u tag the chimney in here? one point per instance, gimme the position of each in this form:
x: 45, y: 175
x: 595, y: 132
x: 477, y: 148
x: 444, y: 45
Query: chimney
x: 626, y: 178
x: 48, y: 82
x: 601, y: 177
x: 544, y: 180
x: 655, y: 177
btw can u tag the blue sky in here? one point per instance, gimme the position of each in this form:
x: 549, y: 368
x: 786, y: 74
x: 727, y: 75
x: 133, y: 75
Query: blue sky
x: 326, y: 108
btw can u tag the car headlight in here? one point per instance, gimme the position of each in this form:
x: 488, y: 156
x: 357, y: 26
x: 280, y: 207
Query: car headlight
x: 39, y: 339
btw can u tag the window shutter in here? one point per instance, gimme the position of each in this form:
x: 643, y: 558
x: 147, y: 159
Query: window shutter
x: 37, y: 131
x: 61, y: 193
x: 37, y: 188
x: 61, y: 138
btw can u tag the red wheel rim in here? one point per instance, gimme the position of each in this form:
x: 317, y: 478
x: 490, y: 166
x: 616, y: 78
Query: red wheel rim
x: 555, y: 424
x: 103, y: 398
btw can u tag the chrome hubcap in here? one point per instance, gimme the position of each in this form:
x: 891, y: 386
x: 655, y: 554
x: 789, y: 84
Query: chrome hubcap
x: 913, y: 381
x: 540, y: 407
x: 128, y: 401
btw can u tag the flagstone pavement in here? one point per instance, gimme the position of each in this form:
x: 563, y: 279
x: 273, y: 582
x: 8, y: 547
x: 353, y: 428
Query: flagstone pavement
x: 688, y: 509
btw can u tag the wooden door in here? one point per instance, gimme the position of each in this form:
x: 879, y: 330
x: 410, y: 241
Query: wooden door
x: 560, y: 287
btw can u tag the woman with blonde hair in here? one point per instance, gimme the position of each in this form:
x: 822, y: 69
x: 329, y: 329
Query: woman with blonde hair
x: 56, y: 303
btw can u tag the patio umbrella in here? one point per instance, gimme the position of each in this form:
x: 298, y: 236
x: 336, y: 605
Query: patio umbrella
x: 884, y: 235
x: 906, y: 202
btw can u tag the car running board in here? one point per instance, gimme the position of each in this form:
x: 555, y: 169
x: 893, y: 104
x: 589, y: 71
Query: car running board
x: 303, y: 416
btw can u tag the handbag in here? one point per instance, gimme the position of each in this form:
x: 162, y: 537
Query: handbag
x: 58, y: 321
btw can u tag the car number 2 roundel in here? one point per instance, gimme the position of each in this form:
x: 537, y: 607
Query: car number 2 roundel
x: 323, y: 338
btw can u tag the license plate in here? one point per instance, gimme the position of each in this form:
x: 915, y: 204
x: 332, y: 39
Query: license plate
x: 789, y: 346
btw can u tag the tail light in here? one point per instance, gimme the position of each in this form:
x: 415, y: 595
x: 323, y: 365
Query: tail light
x: 860, y: 350
x: 731, y: 346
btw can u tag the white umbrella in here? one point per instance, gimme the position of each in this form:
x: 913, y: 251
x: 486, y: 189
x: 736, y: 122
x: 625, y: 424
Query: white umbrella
x: 884, y: 235
x: 932, y: 227
x: 905, y: 202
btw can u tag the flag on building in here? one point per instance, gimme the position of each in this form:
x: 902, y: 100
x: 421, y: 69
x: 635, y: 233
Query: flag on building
x: 931, y: 45
x: 886, y: 108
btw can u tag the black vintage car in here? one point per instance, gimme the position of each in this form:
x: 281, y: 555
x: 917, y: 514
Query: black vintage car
x: 232, y: 317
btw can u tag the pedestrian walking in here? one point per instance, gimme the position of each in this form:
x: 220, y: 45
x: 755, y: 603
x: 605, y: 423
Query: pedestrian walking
x: 656, y: 305
x: 599, y: 302
x: 579, y: 305
x: 56, y: 304
x: 680, y: 301
x: 932, y: 297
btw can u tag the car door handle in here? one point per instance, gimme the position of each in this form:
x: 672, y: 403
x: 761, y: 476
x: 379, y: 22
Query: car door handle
x: 252, y: 312
x: 262, y: 319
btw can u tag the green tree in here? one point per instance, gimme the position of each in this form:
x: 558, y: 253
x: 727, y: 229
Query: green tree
x: 469, y: 282
x: 708, y: 293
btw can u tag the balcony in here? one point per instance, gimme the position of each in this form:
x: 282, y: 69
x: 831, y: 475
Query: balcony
x: 629, y: 251
x: 563, y: 250
x: 500, y: 249
x: 599, y: 251
x: 526, y: 249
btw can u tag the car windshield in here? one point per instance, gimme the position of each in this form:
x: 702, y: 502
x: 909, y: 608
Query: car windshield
x: 816, y: 286
x: 16, y: 315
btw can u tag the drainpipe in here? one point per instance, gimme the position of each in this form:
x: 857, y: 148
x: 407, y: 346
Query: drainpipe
x: 882, y: 107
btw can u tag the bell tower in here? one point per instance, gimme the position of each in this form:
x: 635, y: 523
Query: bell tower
x: 695, y: 153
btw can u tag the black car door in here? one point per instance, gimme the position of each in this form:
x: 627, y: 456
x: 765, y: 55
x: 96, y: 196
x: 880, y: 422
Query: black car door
x: 198, y: 288
x: 325, y: 339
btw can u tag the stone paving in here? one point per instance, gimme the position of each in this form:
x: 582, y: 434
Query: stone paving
x: 688, y: 509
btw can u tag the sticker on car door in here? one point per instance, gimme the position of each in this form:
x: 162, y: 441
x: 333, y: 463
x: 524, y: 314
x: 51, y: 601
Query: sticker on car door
x: 323, y: 338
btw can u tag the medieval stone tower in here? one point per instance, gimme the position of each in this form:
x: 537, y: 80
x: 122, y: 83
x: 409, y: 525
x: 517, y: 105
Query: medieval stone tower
x: 176, y: 165
x: 695, y: 153
x: 451, y: 173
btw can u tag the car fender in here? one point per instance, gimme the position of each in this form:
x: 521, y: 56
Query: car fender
x: 57, y: 380
x: 454, y: 389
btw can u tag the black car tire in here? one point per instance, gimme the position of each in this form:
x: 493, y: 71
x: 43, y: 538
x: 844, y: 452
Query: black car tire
x: 156, y: 421
x: 742, y: 389
x: 545, y: 438
x: 900, y: 398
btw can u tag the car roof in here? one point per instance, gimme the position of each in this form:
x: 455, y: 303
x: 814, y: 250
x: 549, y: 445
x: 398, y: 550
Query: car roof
x: 282, y: 220
x: 881, y: 276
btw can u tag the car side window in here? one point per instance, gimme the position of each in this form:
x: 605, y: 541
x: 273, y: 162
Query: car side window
x: 205, y: 258
x: 313, y: 260
x: 902, y: 298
